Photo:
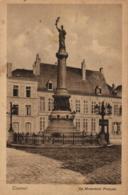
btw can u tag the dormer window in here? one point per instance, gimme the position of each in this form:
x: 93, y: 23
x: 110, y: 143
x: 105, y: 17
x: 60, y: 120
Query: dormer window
x: 98, y: 90
x: 49, y: 85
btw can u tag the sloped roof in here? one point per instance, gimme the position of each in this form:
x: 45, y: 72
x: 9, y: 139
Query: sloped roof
x: 75, y: 84
x: 22, y: 73
x: 74, y: 79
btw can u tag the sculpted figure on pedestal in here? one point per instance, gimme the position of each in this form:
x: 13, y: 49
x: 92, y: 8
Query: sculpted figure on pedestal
x: 62, y: 34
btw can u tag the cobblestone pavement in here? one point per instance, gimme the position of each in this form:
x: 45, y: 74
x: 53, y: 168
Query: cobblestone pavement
x: 23, y: 167
x: 64, y: 165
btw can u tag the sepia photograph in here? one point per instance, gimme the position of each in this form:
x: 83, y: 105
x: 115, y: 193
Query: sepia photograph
x: 64, y: 94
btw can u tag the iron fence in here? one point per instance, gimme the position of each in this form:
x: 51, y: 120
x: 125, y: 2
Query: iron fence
x: 35, y: 139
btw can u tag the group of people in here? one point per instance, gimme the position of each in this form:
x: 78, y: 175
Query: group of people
x: 27, y: 137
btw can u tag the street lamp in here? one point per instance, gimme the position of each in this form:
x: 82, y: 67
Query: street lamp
x: 11, y: 113
x: 103, y: 110
x: 11, y: 131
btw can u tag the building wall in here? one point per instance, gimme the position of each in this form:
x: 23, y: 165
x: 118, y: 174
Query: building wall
x: 21, y: 100
x: 42, y: 105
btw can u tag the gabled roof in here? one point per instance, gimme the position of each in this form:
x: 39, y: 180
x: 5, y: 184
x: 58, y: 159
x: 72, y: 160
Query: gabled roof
x: 74, y: 81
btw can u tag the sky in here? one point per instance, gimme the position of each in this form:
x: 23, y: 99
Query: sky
x: 94, y: 33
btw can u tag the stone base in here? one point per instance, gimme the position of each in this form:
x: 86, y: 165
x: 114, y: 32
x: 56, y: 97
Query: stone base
x: 61, y: 122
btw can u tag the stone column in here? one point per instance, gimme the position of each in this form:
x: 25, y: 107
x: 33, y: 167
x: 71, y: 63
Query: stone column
x: 61, y: 72
x: 61, y: 97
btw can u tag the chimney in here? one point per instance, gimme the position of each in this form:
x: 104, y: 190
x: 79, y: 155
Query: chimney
x: 9, y: 69
x: 101, y: 70
x: 36, y: 66
x: 83, y: 69
x: 113, y: 86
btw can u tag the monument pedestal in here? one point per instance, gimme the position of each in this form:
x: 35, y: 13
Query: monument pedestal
x: 61, y: 122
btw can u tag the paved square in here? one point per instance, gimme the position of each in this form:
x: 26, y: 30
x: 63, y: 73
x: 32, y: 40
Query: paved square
x: 64, y: 165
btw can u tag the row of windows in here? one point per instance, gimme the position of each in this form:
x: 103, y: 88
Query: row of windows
x: 86, y: 124
x: 15, y: 109
x: 49, y: 85
x: 50, y: 108
x: 16, y: 91
x: 85, y: 107
x: 28, y: 127
x: 117, y: 109
x: 28, y: 89
x: 43, y: 103
x: 116, y: 126
x: 78, y: 107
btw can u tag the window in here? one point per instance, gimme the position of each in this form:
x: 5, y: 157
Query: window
x: 42, y: 104
x: 85, y: 125
x: 120, y: 110
x: 28, y: 91
x: 93, y: 125
x: 28, y: 110
x: 78, y: 124
x: 93, y: 107
x: 98, y: 90
x: 15, y: 90
x: 28, y: 127
x: 119, y: 128
x: 77, y: 105
x: 85, y: 107
x: 116, y: 110
x: 116, y: 128
x: 50, y: 85
x: 16, y: 127
x: 15, y: 109
x: 50, y: 104
x: 42, y: 123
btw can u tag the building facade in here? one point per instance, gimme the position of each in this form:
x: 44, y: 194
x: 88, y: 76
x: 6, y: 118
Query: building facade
x: 31, y: 93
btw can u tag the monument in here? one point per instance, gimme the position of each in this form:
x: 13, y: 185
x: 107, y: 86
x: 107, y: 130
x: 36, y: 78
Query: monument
x: 61, y: 118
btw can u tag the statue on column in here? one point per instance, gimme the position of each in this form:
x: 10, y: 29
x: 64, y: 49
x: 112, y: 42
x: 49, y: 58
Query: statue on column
x: 62, y: 34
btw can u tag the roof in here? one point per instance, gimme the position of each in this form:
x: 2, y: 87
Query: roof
x: 24, y: 74
x: 74, y: 83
